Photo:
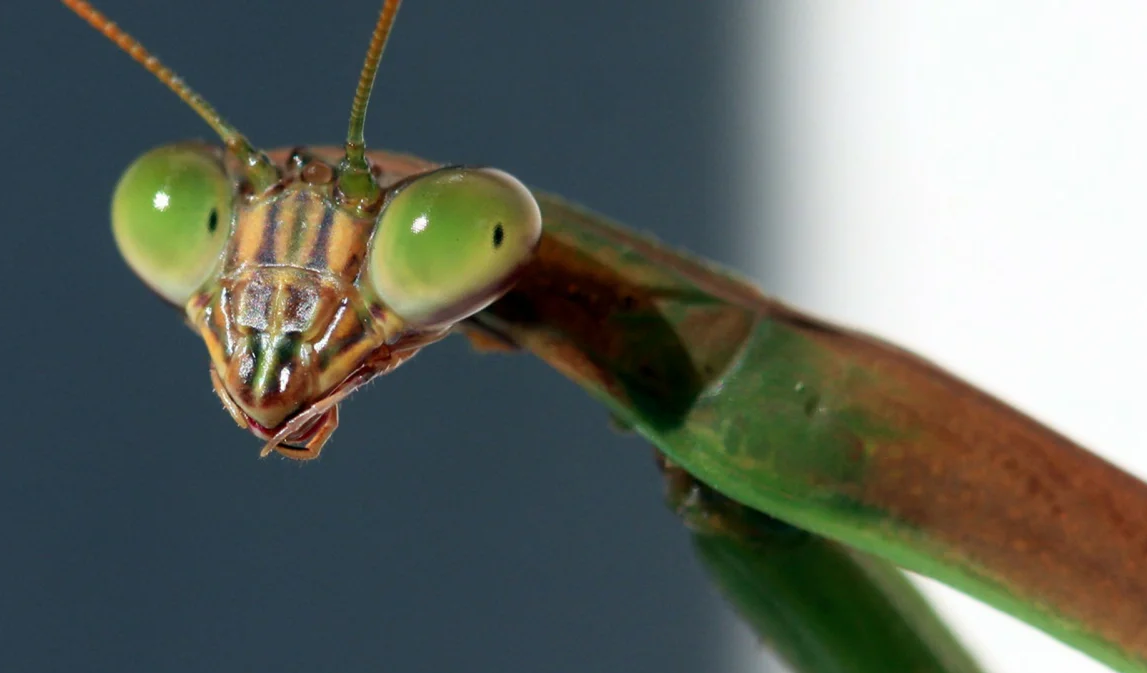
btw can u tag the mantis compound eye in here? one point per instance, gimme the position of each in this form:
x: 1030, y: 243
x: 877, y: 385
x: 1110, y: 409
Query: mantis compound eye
x: 451, y: 242
x: 171, y: 216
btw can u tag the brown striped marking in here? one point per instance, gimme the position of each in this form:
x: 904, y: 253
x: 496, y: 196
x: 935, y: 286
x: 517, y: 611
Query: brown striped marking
x: 285, y: 322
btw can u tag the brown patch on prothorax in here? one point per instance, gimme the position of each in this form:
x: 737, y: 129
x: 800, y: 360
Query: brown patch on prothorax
x: 317, y: 173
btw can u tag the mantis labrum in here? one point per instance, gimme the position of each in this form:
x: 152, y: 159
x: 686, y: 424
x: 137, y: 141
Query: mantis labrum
x: 310, y: 271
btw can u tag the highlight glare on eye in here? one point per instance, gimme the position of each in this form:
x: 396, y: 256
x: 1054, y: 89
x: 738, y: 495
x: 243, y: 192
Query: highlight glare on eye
x: 419, y: 225
x: 166, y: 213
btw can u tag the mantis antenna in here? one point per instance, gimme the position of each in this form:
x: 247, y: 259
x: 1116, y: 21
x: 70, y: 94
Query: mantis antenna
x: 355, y: 145
x: 355, y: 181
x: 258, y: 168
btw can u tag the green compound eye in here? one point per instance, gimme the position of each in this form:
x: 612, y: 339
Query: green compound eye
x: 449, y: 243
x: 171, y: 216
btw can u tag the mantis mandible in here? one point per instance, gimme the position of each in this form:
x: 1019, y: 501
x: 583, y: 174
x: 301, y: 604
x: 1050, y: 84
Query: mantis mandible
x: 310, y: 271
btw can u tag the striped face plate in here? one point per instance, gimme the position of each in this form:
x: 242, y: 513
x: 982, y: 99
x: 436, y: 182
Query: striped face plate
x: 288, y: 329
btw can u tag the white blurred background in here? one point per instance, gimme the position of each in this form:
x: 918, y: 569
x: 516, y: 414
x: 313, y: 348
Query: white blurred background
x: 967, y: 179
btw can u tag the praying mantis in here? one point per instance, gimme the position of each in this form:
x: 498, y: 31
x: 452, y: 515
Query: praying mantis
x: 682, y: 340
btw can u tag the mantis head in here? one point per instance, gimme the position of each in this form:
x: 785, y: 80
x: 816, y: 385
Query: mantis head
x: 307, y: 277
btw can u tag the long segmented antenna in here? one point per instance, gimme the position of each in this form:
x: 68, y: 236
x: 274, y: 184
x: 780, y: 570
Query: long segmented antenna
x: 259, y: 168
x: 355, y: 145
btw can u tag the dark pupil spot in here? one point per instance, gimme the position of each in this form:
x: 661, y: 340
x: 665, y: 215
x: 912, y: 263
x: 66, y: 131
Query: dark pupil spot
x: 213, y: 221
x: 499, y: 234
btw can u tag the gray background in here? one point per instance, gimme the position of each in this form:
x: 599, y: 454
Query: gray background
x: 472, y: 513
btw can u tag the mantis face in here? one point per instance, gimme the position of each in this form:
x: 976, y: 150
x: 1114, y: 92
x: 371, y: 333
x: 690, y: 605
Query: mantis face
x: 301, y: 298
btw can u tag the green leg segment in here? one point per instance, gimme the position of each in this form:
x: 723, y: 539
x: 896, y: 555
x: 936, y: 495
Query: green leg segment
x: 822, y: 607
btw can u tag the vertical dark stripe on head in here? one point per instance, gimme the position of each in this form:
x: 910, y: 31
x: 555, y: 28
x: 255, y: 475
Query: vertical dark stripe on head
x: 255, y: 350
x: 266, y: 251
x: 319, y: 251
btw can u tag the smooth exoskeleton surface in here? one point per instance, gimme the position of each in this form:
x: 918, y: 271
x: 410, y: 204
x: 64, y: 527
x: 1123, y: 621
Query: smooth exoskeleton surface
x: 448, y: 242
